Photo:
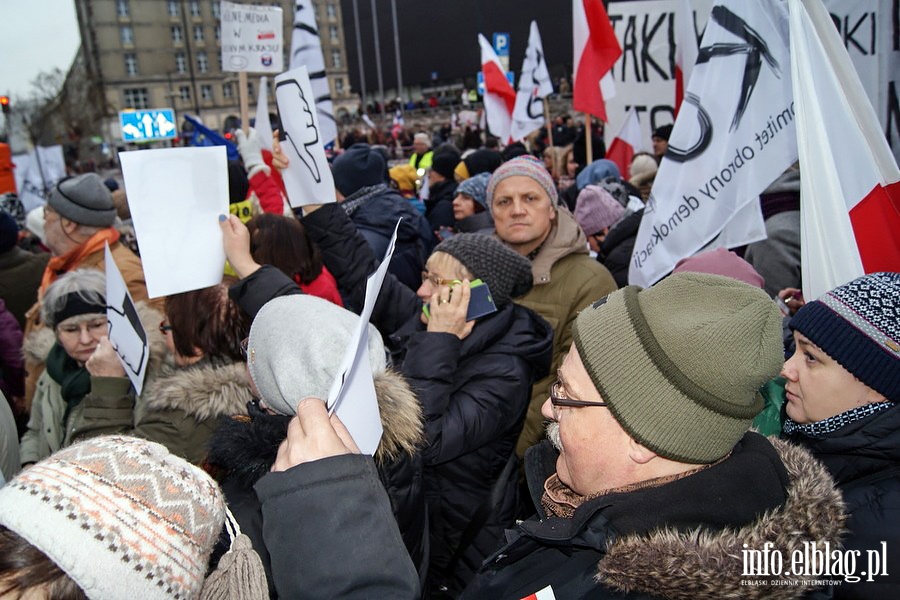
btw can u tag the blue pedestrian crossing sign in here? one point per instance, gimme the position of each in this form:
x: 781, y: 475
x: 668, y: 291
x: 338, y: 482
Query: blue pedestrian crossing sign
x: 479, y: 79
x: 148, y: 125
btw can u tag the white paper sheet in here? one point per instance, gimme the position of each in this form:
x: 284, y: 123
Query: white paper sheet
x: 125, y: 330
x: 308, y: 177
x: 176, y: 196
x: 352, y: 395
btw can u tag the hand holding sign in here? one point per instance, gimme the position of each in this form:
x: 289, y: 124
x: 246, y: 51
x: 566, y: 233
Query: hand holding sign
x: 127, y: 338
x: 104, y: 362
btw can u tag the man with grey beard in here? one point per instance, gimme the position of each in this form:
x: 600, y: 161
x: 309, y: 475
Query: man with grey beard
x: 652, y: 484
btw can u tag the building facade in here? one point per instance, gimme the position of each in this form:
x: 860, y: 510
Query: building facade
x: 148, y: 54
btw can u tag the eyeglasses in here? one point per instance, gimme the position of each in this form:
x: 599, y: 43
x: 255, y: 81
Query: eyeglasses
x: 558, y: 398
x: 437, y: 281
x: 245, y: 344
x: 164, y: 327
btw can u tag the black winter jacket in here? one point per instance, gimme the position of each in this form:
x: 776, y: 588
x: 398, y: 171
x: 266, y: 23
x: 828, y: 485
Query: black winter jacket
x: 679, y: 540
x: 439, y: 206
x: 864, y: 459
x: 616, y: 249
x: 375, y: 211
x: 474, y: 393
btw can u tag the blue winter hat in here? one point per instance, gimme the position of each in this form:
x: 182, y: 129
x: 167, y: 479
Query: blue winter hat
x: 595, y: 172
x: 475, y: 187
x: 858, y: 325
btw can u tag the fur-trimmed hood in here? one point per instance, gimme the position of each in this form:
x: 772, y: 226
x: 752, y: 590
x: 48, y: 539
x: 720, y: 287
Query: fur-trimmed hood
x: 708, y: 564
x: 205, y: 390
x: 246, y: 447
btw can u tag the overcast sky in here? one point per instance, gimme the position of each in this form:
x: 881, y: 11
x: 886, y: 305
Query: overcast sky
x: 35, y: 36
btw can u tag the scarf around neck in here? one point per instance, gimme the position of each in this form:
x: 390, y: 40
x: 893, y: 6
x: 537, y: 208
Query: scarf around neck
x: 820, y: 429
x: 74, y: 381
x: 59, y: 265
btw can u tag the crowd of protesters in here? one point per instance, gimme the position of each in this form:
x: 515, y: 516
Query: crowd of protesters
x: 578, y: 438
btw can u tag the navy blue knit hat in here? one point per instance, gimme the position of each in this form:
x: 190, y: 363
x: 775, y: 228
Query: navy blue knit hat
x: 858, y: 325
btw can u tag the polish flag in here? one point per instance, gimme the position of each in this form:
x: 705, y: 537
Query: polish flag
x: 850, y: 184
x: 499, y: 95
x: 596, y: 51
x: 625, y: 144
x: 685, y: 49
x: 544, y: 594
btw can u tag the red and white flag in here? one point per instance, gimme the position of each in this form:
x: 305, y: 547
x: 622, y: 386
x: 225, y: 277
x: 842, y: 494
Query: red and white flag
x: 685, y: 49
x: 499, y: 95
x: 596, y: 51
x: 850, y: 184
x: 626, y: 143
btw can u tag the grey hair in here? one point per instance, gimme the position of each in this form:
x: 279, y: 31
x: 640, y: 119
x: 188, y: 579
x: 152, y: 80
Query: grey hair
x: 90, y: 284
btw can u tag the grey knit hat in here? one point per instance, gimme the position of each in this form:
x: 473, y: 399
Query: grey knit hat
x: 681, y: 363
x: 525, y: 166
x: 296, y: 347
x: 507, y: 274
x: 475, y: 187
x: 83, y: 199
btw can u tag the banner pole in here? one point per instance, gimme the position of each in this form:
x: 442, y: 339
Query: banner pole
x: 245, y: 101
x: 549, y: 127
x: 589, y: 151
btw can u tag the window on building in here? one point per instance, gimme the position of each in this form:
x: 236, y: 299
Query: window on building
x: 333, y: 33
x: 202, y: 62
x: 177, y: 36
x: 336, y: 59
x: 339, y: 86
x: 218, y: 30
x: 206, y: 92
x: 219, y: 56
x: 330, y: 11
x: 122, y: 8
x: 174, y: 8
x: 131, y: 65
x: 198, y: 33
x: 180, y: 62
x: 127, y: 35
x: 195, y: 8
x: 185, y: 93
x: 136, y: 98
x: 227, y: 90
x: 216, y: 10
x: 250, y: 91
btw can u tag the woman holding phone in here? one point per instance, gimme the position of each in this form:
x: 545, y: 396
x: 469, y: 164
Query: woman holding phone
x: 473, y: 377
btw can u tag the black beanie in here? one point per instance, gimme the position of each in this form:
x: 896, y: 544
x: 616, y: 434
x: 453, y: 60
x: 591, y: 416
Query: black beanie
x: 9, y: 231
x: 483, y: 161
x: 507, y: 274
x: 662, y: 132
x: 360, y: 166
x: 238, y: 184
x: 445, y: 159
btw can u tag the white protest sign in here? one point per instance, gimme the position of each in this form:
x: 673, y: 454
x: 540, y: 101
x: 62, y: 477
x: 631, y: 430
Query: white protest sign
x: 308, y: 178
x: 125, y: 330
x: 252, y: 38
x: 37, y: 171
x: 176, y: 196
x: 352, y: 394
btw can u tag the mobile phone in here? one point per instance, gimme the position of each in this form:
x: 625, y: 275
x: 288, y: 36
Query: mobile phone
x: 481, y: 303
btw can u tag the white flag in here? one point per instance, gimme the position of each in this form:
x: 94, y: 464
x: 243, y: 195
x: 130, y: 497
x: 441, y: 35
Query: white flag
x: 850, y: 187
x: 262, y: 124
x: 534, y: 86
x: 306, y: 50
x: 685, y: 49
x: 734, y: 135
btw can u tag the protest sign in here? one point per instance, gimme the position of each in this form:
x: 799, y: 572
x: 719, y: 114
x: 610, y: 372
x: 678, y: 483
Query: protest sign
x: 125, y: 330
x: 176, y: 196
x: 252, y: 38
x: 308, y: 178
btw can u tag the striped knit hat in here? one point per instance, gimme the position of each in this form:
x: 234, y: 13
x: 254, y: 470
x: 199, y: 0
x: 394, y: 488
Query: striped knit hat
x: 858, y: 325
x: 680, y: 364
x: 526, y: 166
x: 120, y: 516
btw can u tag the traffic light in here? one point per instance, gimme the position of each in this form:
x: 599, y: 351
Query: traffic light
x: 4, y: 102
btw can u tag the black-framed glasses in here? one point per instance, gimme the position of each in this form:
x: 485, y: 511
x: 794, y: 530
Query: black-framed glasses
x: 559, y: 398
x: 164, y: 327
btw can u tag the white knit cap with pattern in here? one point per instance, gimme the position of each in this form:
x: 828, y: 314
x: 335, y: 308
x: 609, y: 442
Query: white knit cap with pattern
x: 122, y: 517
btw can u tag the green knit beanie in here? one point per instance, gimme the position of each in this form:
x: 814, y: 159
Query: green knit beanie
x: 681, y: 363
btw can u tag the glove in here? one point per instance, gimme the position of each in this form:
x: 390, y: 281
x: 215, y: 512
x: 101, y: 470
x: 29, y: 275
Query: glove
x: 250, y: 149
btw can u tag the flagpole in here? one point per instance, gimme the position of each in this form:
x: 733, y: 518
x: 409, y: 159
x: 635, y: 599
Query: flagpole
x: 549, y: 127
x: 245, y: 101
x: 589, y: 150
